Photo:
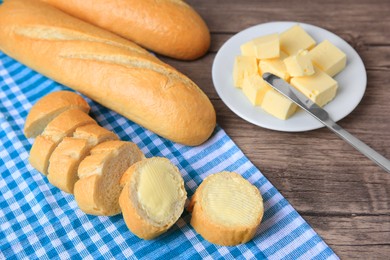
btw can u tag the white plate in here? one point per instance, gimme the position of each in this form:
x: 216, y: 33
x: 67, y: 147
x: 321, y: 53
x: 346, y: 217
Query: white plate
x: 352, y: 80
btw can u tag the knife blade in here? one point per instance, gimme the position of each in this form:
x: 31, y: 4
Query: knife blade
x: 321, y: 115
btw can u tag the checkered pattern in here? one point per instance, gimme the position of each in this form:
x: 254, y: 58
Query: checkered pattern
x: 37, y: 220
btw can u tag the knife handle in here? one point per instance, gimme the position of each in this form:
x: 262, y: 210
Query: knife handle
x: 359, y: 145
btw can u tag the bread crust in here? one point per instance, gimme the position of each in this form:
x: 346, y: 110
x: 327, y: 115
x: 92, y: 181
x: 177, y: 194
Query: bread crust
x: 94, y: 174
x: 168, y: 27
x: 218, y: 233
x: 94, y: 134
x: 86, y: 196
x: 66, y: 157
x: 64, y: 162
x: 50, y: 106
x: 61, y: 126
x: 40, y: 153
x: 110, y: 70
x: 138, y: 224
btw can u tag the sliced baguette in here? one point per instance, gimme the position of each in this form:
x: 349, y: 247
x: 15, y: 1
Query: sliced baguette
x: 97, y: 191
x: 65, y: 159
x: 61, y: 126
x: 49, y: 107
x: 153, y: 197
x: 226, y: 209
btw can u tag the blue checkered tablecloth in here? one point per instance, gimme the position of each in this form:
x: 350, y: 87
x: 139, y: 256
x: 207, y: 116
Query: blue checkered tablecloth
x: 37, y: 220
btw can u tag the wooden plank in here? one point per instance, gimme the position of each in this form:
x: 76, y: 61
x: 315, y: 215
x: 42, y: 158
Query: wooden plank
x: 355, y: 237
x: 367, y: 20
x: 342, y: 194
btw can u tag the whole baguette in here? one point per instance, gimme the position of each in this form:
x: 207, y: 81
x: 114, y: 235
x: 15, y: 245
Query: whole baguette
x: 168, y: 27
x: 110, y: 70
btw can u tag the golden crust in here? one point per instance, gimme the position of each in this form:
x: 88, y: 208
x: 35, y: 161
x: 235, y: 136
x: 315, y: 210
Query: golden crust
x: 86, y: 195
x: 50, y: 106
x: 66, y: 158
x: 40, y: 153
x: 184, y: 37
x: 64, y: 162
x: 95, y: 172
x: 219, y: 233
x: 112, y: 71
x: 61, y: 126
x: 94, y: 134
x: 67, y: 122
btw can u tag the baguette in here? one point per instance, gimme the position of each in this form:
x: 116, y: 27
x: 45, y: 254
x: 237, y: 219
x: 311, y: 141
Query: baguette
x: 66, y: 157
x: 153, y: 197
x: 61, y: 126
x: 49, y: 107
x: 226, y: 209
x: 110, y: 70
x: 98, y: 189
x: 168, y: 27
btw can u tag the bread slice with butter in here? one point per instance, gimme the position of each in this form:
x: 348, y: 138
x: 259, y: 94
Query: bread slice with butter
x: 65, y: 159
x: 153, y: 197
x: 226, y: 209
x: 61, y: 126
x: 49, y: 107
x: 97, y: 191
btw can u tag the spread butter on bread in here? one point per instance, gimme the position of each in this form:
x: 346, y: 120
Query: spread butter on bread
x: 153, y: 197
x: 226, y: 209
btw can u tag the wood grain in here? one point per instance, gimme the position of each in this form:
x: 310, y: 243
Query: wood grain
x: 343, y: 195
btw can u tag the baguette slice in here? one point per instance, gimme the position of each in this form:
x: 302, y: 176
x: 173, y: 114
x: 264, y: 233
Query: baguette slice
x: 49, y: 107
x: 108, y: 69
x: 169, y: 27
x: 97, y: 191
x: 61, y: 126
x: 65, y: 159
x: 226, y: 209
x: 153, y: 197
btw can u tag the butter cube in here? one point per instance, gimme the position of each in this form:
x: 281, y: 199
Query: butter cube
x: 296, y: 39
x: 248, y: 49
x: 275, y: 66
x: 283, y: 55
x: 244, y: 66
x: 299, y: 65
x: 267, y: 47
x: 277, y: 105
x: 254, y: 87
x: 319, y: 87
x: 328, y: 58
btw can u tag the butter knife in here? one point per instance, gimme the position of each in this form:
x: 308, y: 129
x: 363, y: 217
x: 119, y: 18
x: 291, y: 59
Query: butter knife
x: 321, y: 115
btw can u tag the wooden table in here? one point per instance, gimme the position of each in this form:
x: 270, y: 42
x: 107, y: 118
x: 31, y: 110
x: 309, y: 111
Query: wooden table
x: 343, y: 195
